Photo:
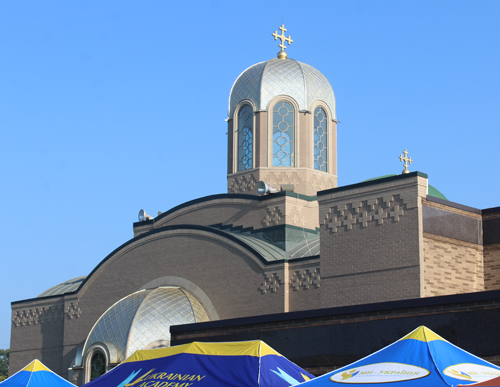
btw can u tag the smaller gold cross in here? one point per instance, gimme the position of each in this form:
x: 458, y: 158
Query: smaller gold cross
x: 406, y: 160
x: 282, y: 54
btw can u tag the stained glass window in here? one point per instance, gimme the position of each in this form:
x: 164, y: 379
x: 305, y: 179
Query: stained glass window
x: 245, y: 138
x: 283, y: 136
x: 320, y: 140
x: 97, y: 365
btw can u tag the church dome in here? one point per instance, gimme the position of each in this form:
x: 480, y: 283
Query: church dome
x: 263, y: 81
x: 142, y: 320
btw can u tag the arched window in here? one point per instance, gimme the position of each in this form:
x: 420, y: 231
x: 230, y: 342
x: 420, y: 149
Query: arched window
x: 245, y: 138
x: 97, y: 365
x: 320, y: 140
x: 283, y: 136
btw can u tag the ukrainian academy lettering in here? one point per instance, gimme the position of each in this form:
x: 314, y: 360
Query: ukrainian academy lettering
x: 165, y: 379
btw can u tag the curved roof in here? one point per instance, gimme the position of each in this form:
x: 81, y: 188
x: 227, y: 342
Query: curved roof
x: 263, y: 81
x: 64, y: 287
x: 143, y: 318
x: 308, y: 246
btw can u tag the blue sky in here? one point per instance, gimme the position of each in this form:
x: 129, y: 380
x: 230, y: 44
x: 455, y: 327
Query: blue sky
x: 107, y: 107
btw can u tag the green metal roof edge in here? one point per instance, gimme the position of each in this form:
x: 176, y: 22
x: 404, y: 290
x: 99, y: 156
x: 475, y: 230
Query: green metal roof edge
x: 300, y: 196
x: 433, y: 191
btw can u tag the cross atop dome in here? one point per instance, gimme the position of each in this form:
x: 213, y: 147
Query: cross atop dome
x: 282, y: 54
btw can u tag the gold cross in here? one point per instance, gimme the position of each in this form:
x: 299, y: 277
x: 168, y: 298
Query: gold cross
x: 282, y: 54
x: 405, y: 159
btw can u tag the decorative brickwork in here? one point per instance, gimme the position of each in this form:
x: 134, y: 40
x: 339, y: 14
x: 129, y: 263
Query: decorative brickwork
x: 284, y: 177
x: 273, y: 216
x: 36, y: 316
x: 243, y: 183
x: 345, y: 217
x: 451, y: 266
x: 305, y: 181
x: 322, y: 181
x: 492, y: 267
x: 271, y: 282
x: 295, y: 216
x: 72, y: 310
x: 306, y: 279
x: 45, y: 314
x: 302, y: 214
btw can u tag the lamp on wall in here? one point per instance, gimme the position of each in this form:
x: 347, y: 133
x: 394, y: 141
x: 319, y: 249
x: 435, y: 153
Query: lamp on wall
x: 264, y: 189
x: 143, y: 216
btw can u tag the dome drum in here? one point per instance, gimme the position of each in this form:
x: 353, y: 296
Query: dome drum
x: 282, y: 129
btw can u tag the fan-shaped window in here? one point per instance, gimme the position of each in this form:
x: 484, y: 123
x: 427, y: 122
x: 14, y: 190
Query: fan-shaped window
x: 245, y: 138
x: 97, y: 365
x: 283, y: 135
x: 320, y: 140
x: 143, y: 318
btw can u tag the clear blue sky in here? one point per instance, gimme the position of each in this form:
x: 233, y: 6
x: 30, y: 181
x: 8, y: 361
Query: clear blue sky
x: 107, y: 107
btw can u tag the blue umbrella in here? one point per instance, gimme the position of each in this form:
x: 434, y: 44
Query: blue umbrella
x: 421, y: 358
x: 35, y: 374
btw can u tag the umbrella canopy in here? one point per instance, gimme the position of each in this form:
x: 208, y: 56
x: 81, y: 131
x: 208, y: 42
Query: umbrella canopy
x: 243, y: 364
x: 421, y: 358
x: 495, y: 382
x: 35, y: 374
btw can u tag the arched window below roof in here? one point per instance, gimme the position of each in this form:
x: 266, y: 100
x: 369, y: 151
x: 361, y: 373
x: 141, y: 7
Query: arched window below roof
x: 97, y: 365
x: 245, y: 138
x: 320, y: 140
x: 283, y: 135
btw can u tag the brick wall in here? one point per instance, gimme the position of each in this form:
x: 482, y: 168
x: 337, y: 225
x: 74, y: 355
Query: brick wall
x: 37, y: 333
x: 492, y: 267
x: 451, y: 266
x: 371, y: 241
x: 305, y: 285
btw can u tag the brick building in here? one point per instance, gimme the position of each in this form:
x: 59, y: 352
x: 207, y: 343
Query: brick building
x: 305, y: 244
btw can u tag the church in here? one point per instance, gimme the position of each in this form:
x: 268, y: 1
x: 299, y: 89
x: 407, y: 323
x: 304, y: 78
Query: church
x: 284, y: 238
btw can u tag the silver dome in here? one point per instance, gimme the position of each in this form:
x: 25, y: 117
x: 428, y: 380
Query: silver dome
x: 263, y: 81
x: 144, y: 318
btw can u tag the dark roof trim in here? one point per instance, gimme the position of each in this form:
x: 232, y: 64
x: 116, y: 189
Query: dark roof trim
x: 343, y: 310
x: 201, y: 200
x: 462, y: 207
x: 156, y: 231
x: 372, y: 182
x: 303, y: 258
x: 491, y: 210
x: 453, y: 204
x: 43, y: 298
x: 228, y: 196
